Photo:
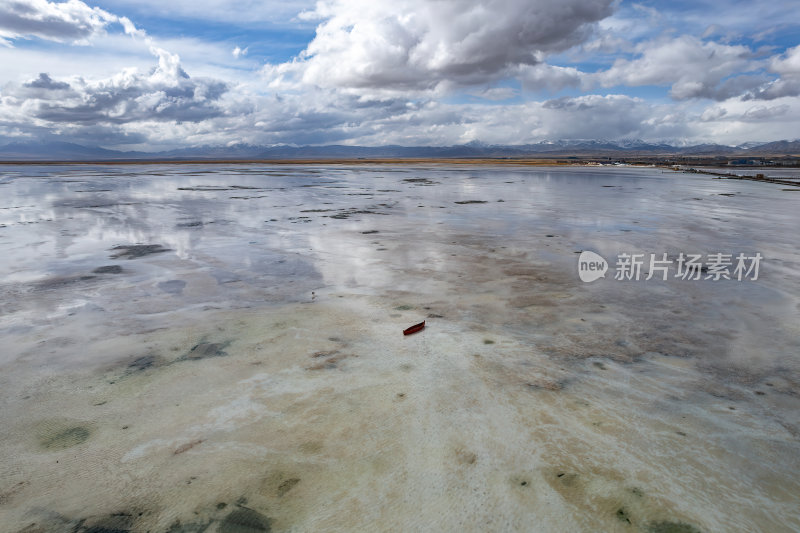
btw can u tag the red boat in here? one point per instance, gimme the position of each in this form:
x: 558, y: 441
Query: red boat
x: 415, y: 328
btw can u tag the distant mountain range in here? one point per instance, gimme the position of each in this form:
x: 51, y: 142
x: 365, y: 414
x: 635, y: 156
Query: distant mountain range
x: 63, y: 151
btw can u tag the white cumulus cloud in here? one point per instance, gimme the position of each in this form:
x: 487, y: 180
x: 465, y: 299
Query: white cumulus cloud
x: 787, y: 66
x: 166, y: 93
x: 420, y: 45
x: 71, y: 21
x: 692, y: 67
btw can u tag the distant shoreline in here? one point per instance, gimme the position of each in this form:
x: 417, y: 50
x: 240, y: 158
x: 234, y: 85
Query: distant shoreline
x: 482, y: 161
x: 572, y: 161
x: 307, y: 161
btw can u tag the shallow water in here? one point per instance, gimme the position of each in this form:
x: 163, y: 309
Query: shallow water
x: 219, y: 348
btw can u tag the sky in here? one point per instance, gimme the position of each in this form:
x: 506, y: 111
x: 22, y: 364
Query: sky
x: 166, y: 74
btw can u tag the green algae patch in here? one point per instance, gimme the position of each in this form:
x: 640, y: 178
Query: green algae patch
x: 672, y: 527
x: 244, y: 520
x: 204, y: 350
x: 59, y: 436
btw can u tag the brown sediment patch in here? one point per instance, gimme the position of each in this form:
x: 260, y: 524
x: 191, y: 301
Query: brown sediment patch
x: 271, y: 483
x: 635, y: 326
x: 311, y: 447
x: 531, y: 300
x: 631, y: 337
x: 726, y: 371
x: 6, y: 495
x: 186, y: 447
x: 286, y: 486
x: 545, y: 384
x: 606, y: 493
x: 599, y: 493
x: 526, y: 272
x: 521, y: 375
x: 134, y: 251
x: 328, y: 364
x: 324, y: 353
x: 465, y: 457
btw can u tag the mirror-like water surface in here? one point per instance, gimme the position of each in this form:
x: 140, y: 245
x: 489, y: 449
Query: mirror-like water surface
x: 196, y: 348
